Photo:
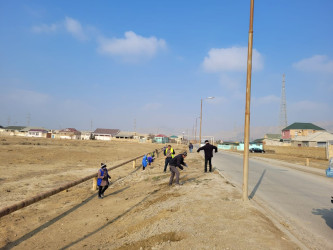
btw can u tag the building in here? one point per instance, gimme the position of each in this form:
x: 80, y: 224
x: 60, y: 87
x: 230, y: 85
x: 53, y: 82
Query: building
x: 299, y: 129
x: 86, y: 135
x: 69, y: 133
x: 318, y: 139
x: 105, y: 134
x: 35, y: 132
x: 161, y: 138
x: 13, y: 130
x: 125, y: 135
x: 272, y: 140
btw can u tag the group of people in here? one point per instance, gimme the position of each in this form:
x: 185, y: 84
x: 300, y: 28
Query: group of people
x: 171, y: 159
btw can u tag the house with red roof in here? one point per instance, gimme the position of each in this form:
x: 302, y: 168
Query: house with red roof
x: 69, y: 133
x: 161, y: 138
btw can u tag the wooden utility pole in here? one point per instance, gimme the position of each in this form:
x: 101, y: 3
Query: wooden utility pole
x: 200, y: 123
x: 247, y: 108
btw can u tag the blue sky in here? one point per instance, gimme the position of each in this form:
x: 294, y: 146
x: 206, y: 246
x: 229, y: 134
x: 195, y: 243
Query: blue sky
x: 108, y: 63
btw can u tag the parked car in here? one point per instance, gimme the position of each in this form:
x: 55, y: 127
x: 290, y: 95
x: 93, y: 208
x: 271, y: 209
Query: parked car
x: 257, y: 150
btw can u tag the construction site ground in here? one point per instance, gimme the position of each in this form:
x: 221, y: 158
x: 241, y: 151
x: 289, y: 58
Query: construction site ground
x: 139, y: 210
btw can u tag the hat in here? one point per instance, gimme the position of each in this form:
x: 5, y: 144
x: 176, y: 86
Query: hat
x: 103, y: 165
x: 206, y: 141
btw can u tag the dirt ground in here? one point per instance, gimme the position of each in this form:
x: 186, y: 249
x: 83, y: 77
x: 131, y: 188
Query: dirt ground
x: 139, y: 211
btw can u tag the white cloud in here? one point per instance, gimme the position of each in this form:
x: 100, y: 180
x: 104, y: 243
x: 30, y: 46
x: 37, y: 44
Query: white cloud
x: 316, y: 63
x: 74, y: 27
x: 44, y: 28
x: 231, y: 59
x: 132, y: 46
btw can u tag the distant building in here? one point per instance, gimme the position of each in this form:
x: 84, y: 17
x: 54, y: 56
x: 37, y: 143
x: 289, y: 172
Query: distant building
x: 105, y: 134
x: 318, y: 139
x: 272, y: 140
x: 161, y: 138
x: 86, y: 135
x: 124, y: 135
x: 35, y: 132
x: 69, y: 133
x: 13, y: 131
x: 299, y: 129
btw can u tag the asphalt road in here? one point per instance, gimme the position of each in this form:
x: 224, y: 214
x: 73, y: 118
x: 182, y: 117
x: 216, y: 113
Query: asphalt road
x: 302, y: 198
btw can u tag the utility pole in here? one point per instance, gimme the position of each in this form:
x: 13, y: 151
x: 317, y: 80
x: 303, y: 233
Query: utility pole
x: 283, y: 105
x: 196, y: 125
x: 247, y: 108
x: 135, y: 126
x: 200, y: 122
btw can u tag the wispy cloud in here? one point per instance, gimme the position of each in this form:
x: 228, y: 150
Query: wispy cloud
x: 75, y: 28
x: 131, y: 47
x: 316, y: 63
x: 45, y: 28
x: 231, y: 60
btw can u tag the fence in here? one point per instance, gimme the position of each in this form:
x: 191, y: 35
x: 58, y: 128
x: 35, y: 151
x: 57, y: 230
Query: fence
x: 10, y: 209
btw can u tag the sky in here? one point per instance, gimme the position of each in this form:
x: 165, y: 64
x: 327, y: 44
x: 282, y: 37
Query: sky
x: 146, y: 65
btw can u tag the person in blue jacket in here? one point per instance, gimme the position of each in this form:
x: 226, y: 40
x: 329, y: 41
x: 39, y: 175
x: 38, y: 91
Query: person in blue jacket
x: 102, y: 180
x: 144, y: 162
x: 150, y: 159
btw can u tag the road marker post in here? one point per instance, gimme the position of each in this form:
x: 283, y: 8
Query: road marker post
x: 94, y: 187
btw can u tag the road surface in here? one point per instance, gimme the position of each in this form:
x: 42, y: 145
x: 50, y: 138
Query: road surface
x: 303, y: 199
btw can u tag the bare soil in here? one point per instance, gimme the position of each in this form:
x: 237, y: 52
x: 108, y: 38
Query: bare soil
x: 139, y: 211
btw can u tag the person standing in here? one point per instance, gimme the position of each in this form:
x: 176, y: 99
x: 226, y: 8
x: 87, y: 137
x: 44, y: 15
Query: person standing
x: 208, y: 148
x: 169, y: 153
x: 176, y: 163
x: 190, y: 147
x: 102, y: 180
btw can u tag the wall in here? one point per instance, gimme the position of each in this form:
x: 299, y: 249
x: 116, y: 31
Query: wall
x: 307, y: 152
x: 330, y: 151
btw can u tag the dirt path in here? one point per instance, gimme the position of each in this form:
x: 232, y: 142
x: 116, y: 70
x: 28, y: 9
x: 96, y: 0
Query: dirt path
x: 141, y: 211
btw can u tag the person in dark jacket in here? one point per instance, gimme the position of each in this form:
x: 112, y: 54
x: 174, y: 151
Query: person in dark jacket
x: 102, y: 180
x: 175, y: 163
x: 169, y: 153
x: 208, y: 148
x: 190, y: 147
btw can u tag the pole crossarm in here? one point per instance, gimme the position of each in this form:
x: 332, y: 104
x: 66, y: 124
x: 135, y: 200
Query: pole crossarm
x: 12, y: 208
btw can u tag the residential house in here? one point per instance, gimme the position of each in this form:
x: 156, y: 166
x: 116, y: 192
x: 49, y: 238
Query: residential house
x: 105, y: 134
x: 272, y: 140
x: 318, y: 139
x: 86, y: 135
x: 13, y: 130
x: 299, y: 129
x: 161, y: 138
x: 69, y: 133
x: 35, y: 132
x: 124, y: 135
x: 173, y: 138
